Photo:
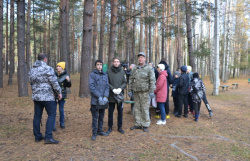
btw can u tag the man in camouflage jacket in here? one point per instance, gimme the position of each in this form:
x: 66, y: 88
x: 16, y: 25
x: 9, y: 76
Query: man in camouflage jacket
x: 142, y: 84
x: 44, y: 87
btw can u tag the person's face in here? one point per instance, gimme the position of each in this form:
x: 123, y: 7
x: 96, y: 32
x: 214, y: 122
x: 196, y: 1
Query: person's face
x: 158, y: 70
x: 116, y: 63
x: 150, y: 64
x: 59, y: 69
x: 98, y: 66
x: 141, y: 60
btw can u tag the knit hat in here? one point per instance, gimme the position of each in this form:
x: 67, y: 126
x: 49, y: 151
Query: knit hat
x: 184, y: 68
x: 161, y: 66
x: 177, y: 73
x: 189, y: 68
x: 196, y: 75
x: 61, y: 64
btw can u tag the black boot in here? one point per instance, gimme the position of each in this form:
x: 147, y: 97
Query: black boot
x: 93, y: 137
x: 109, y: 130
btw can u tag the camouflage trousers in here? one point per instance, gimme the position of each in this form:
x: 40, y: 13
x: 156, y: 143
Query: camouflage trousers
x: 141, y: 109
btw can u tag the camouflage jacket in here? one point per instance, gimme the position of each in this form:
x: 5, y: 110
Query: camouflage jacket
x: 197, y: 88
x: 142, y: 79
x: 43, y: 82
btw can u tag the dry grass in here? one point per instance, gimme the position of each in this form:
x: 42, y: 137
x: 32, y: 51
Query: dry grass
x: 222, y: 137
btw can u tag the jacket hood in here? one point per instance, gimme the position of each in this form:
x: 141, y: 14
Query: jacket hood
x: 166, y: 65
x: 164, y: 72
x: 62, y: 73
x: 39, y: 63
x: 97, y: 71
x: 115, y: 69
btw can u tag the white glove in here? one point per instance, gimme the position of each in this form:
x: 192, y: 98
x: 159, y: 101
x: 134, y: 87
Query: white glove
x: 115, y: 91
x: 118, y: 91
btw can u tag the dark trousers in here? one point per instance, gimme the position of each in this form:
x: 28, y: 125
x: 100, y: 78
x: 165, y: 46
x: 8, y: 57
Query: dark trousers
x: 61, y: 111
x: 97, y: 119
x: 183, y: 99
x: 197, y: 106
x: 167, y: 103
x: 190, y: 102
x: 111, y: 112
x: 206, y: 102
x: 50, y: 107
x: 176, y: 104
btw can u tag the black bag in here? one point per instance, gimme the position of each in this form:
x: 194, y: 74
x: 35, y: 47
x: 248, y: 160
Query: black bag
x: 102, y: 106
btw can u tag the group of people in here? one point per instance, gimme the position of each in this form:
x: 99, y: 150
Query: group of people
x: 48, y: 90
x: 145, y: 83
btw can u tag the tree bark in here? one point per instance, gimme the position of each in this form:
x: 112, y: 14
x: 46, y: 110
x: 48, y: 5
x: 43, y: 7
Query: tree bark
x: 216, y: 51
x: 73, y: 39
x: 7, y: 39
x: 34, y: 29
x: 45, y: 31
x: 156, y: 37
x: 112, y: 37
x: 11, y: 69
x: 1, y: 44
x: 28, y: 37
x: 128, y: 32
x: 163, y: 29
x: 86, y: 49
x: 22, y: 68
x: 189, y: 35
x: 102, y: 26
x: 150, y: 33
x: 94, y: 34
x: 141, y: 28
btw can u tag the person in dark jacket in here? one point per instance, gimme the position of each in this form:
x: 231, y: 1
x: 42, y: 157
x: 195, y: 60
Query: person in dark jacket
x: 64, y: 82
x: 183, y: 87
x: 175, y: 91
x: 197, y: 88
x: 190, y: 102
x: 169, y: 82
x: 99, y: 89
x: 44, y: 86
x: 117, y: 84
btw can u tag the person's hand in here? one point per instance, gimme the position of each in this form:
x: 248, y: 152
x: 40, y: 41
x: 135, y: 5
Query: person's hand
x: 59, y: 96
x: 151, y: 95
x: 100, y: 100
x: 118, y: 91
x: 67, y: 77
x: 105, y: 100
x: 130, y: 94
x: 171, y: 85
x: 115, y: 91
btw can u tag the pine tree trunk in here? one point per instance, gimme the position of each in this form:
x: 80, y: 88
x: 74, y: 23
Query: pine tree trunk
x: 141, y: 28
x: 45, y: 32
x: 128, y: 32
x: 216, y: 50
x: 112, y: 37
x: 34, y: 30
x: 189, y: 35
x: 86, y: 49
x: 156, y: 46
x: 168, y: 53
x: 7, y: 39
x: 1, y: 44
x: 28, y: 37
x: 150, y: 33
x: 22, y: 68
x: 48, y: 44
x: 73, y: 39
x: 163, y: 29
x: 102, y: 26
x: 68, y: 40
x: 11, y: 69
x: 94, y: 34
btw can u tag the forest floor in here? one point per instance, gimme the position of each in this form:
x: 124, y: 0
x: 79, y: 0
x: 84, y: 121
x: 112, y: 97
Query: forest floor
x: 225, y: 136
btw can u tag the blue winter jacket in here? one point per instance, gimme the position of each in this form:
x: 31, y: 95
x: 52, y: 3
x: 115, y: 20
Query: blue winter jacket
x: 98, y: 85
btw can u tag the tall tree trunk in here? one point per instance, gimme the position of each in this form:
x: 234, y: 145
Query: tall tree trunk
x: 102, y: 26
x: 1, y: 44
x: 34, y: 29
x: 79, y: 54
x: 150, y: 33
x: 68, y: 39
x: 64, y: 35
x: 156, y: 52
x: 128, y: 32
x: 178, y: 49
x: 7, y: 39
x: 216, y: 50
x: 189, y: 35
x: 163, y: 29
x: 86, y: 49
x: 112, y: 37
x: 141, y: 28
x: 168, y: 54
x: 45, y: 31
x: 28, y: 37
x: 49, y: 42
x: 94, y: 34
x: 132, y: 58
x: 11, y: 70
x: 73, y: 39
x: 224, y: 45
x: 22, y: 68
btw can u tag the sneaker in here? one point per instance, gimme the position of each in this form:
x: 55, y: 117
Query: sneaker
x: 211, y: 114
x: 167, y: 117
x: 189, y: 112
x: 160, y: 122
x: 157, y: 116
x: 145, y: 129
x: 185, y: 115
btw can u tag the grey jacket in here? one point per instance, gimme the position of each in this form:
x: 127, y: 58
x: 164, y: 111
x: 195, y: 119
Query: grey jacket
x: 43, y: 82
x: 197, y: 88
x: 98, y: 85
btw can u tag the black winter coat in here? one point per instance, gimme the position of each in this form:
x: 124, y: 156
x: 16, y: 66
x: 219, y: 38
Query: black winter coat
x: 63, y: 82
x: 183, y: 84
x: 169, y: 77
x: 98, y: 85
x: 174, y: 88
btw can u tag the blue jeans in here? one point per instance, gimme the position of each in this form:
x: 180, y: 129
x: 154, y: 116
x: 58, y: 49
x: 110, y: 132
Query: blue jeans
x: 162, y: 110
x: 61, y: 111
x: 50, y: 107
